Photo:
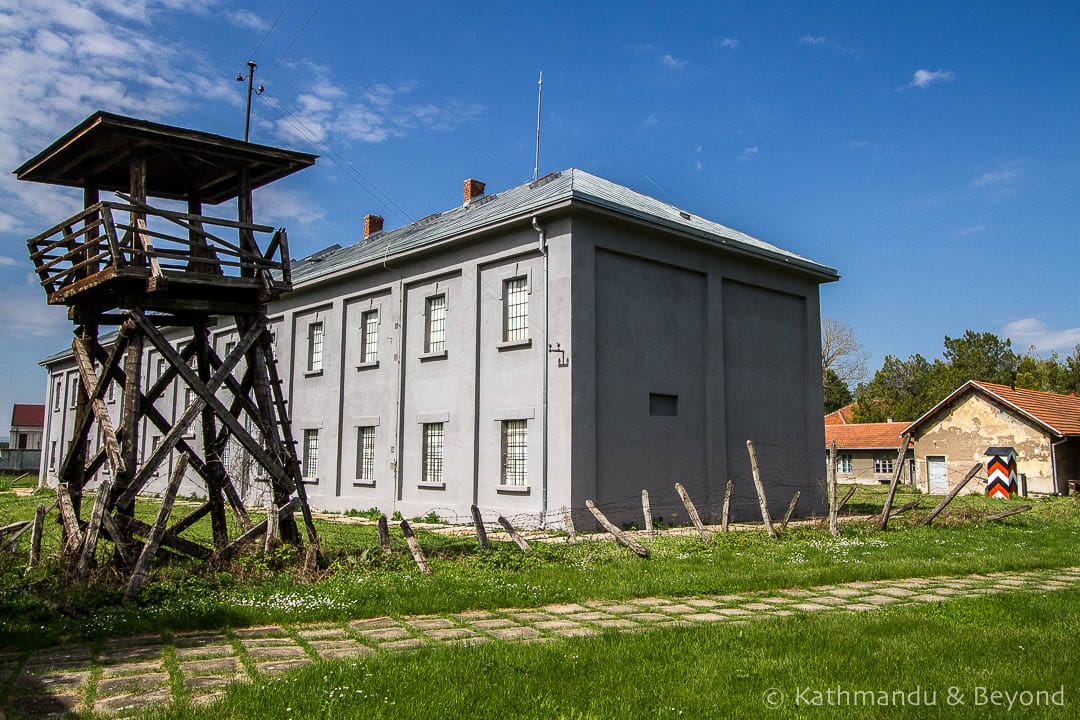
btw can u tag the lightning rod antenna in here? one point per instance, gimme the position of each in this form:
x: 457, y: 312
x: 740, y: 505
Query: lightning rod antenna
x: 539, y: 96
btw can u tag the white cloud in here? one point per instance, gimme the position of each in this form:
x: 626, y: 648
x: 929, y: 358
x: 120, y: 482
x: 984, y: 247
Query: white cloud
x: 1001, y: 176
x: 971, y: 229
x: 925, y: 78
x: 279, y: 206
x: 747, y: 153
x: 247, y: 19
x: 728, y: 43
x: 672, y: 62
x: 858, y: 144
x: 27, y: 313
x: 6, y: 261
x: 813, y: 40
x: 1032, y: 332
x: 651, y: 119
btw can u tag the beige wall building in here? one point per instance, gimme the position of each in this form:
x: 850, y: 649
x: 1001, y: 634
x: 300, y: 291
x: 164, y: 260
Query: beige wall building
x: 1042, y: 428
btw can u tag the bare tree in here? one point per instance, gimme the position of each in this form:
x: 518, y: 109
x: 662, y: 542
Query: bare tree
x: 842, y: 352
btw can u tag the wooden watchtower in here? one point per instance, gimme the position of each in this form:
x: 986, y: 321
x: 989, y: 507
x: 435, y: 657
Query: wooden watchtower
x: 156, y: 273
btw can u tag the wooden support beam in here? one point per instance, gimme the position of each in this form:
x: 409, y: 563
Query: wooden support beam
x: 904, y: 508
x: 272, y: 541
x: 952, y: 493
x: 760, y: 489
x: 726, y: 512
x: 120, y: 544
x: 790, y: 510
x: 190, y: 519
x: 568, y: 523
x: 619, y: 535
x: 646, y: 510
x: 35, y: 535
x: 256, y: 531
x: 514, y: 534
x: 157, y: 532
x: 384, y: 534
x: 414, y: 548
x: 847, y: 496
x: 478, y: 523
x: 168, y: 540
x: 691, y: 510
x: 93, y: 529
x: 72, y: 534
x: 884, y: 522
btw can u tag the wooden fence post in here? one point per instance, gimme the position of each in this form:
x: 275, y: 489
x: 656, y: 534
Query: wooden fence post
x: 481, y: 533
x: 414, y: 548
x: 35, y: 535
x: 384, y: 534
x: 619, y: 534
x: 72, y: 534
x: 727, y: 506
x: 760, y: 489
x: 952, y: 493
x: 884, y: 522
x: 831, y: 475
x: 904, y: 508
x: 692, y: 511
x: 270, y: 542
x: 514, y: 534
x: 1008, y: 513
x: 568, y: 523
x: 646, y: 510
x: 790, y: 509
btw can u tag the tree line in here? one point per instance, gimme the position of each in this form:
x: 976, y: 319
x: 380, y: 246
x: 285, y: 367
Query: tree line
x: 905, y: 389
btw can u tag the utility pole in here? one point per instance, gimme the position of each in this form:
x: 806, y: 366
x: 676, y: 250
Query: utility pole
x: 258, y: 91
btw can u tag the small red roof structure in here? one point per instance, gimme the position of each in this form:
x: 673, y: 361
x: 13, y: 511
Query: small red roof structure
x: 1056, y: 413
x: 28, y: 415
x: 865, y: 436
x: 841, y: 416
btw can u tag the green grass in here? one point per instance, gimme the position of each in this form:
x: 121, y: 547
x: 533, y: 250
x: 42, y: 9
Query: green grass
x: 18, y: 480
x: 1008, y: 643
x: 37, y: 608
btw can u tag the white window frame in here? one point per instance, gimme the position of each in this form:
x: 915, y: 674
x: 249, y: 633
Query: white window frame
x: 310, y: 459
x: 58, y: 395
x: 369, y: 337
x: 516, y: 309
x: 52, y: 455
x: 433, y: 453
x: 514, y: 445
x: 435, y: 318
x: 73, y: 391
x: 845, y: 463
x: 365, y: 455
x: 883, y: 465
x: 316, y: 339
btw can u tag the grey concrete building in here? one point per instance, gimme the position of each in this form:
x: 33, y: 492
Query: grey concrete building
x: 563, y: 340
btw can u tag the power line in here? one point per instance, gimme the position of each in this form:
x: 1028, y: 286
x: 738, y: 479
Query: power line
x: 355, y: 175
x: 296, y: 37
x: 253, y: 53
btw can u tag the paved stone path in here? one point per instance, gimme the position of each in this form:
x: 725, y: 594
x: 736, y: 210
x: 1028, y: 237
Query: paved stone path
x: 122, y: 676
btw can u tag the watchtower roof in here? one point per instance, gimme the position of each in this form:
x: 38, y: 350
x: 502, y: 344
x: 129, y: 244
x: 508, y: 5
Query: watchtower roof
x: 181, y: 163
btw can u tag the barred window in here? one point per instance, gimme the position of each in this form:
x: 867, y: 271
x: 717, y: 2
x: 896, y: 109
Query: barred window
x: 883, y: 464
x: 311, y: 454
x: 160, y: 368
x: 369, y: 334
x: 189, y: 397
x: 433, y: 452
x: 58, y: 394
x: 74, y: 388
x: 843, y: 464
x: 365, y: 454
x: 515, y: 452
x: 315, y: 343
x: 435, y: 312
x: 155, y: 441
x: 516, y: 309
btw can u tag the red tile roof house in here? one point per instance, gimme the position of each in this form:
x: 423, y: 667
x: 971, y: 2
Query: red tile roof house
x: 1043, y: 429
x: 24, y: 444
x: 866, y: 452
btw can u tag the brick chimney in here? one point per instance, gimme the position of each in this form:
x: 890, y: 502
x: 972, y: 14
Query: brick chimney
x: 372, y: 225
x: 473, y: 189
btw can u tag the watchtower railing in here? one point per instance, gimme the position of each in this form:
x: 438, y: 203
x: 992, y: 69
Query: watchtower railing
x: 135, y: 239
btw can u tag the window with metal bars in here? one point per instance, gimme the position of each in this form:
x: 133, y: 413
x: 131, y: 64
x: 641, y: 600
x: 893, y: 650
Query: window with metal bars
x: 433, y: 453
x: 515, y: 452
x: 315, y: 344
x: 516, y: 309
x: 883, y: 465
x: 365, y: 454
x: 369, y: 334
x: 311, y: 454
x: 58, y: 395
x: 435, y: 335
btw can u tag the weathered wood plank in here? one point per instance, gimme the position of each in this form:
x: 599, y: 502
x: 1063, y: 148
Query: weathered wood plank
x: 481, y: 532
x: 619, y: 535
x: 36, y: 534
x: 157, y: 532
x: 646, y: 510
x: 257, y: 530
x: 847, y: 496
x: 884, y: 522
x: 726, y: 512
x: 952, y: 493
x: 1008, y: 513
x: 514, y: 534
x: 568, y: 524
x: 790, y: 510
x: 72, y: 533
x: 384, y: 534
x: 762, y: 502
x: 831, y: 480
x: 414, y: 548
x: 691, y: 510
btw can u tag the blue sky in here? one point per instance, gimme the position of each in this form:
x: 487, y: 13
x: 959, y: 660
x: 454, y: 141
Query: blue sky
x: 929, y: 151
